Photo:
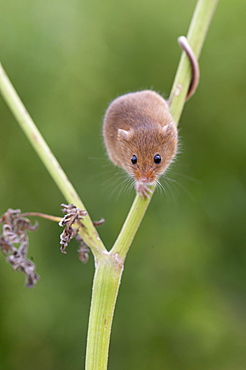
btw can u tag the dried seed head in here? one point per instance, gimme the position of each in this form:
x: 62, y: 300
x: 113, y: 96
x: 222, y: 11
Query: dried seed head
x: 14, y: 232
x: 73, y: 215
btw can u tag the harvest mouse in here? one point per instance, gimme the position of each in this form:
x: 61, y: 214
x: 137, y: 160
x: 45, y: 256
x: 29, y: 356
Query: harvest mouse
x: 140, y: 134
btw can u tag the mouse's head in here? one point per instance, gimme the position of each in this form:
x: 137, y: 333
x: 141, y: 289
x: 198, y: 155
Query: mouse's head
x: 147, y: 152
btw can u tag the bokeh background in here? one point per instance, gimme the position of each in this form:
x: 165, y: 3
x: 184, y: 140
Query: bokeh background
x: 182, y: 300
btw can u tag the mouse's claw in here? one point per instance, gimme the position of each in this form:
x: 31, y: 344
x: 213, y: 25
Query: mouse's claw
x: 143, y: 190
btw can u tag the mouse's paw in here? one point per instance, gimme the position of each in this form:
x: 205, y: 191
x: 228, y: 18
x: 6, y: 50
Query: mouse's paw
x: 143, y: 190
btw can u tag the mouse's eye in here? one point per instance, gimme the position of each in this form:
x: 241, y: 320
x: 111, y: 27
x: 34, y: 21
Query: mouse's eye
x: 134, y: 159
x: 157, y: 158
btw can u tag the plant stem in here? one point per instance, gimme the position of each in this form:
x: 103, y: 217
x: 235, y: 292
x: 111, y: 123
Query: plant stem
x: 89, y: 233
x: 130, y: 226
x: 42, y: 215
x: 106, y: 284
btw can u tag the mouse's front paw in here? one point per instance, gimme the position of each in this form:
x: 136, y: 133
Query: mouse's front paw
x: 143, y: 190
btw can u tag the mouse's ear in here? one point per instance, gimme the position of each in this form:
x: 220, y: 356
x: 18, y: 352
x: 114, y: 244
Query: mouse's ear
x: 168, y: 129
x: 124, y: 135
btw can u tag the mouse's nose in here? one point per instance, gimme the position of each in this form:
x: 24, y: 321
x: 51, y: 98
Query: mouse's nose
x: 144, y: 179
x: 144, y: 176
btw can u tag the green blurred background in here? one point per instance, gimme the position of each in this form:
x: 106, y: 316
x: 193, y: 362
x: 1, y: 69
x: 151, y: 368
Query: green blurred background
x: 183, y: 297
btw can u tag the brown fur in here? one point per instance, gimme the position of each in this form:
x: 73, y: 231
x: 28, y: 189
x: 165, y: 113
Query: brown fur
x: 148, y: 130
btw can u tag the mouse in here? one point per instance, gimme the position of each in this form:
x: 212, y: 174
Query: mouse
x: 140, y: 134
x: 141, y: 137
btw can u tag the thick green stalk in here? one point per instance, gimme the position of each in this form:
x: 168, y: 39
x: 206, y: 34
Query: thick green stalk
x: 106, y: 284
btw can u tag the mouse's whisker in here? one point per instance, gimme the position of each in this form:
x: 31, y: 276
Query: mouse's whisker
x: 159, y: 185
x: 155, y: 168
x: 169, y: 191
x: 179, y: 186
x: 187, y: 177
x: 128, y: 165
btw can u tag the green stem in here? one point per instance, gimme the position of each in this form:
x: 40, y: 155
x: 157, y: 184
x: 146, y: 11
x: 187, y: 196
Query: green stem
x: 104, y: 294
x: 130, y: 226
x: 89, y: 233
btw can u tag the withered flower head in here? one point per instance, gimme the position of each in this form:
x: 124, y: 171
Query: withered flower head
x: 14, y: 231
x: 73, y: 216
x: 72, y: 222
